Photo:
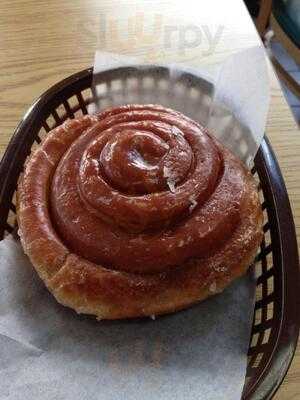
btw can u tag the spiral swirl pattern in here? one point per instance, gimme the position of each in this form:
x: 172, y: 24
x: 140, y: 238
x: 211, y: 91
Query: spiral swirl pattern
x: 137, y: 190
x: 143, y: 191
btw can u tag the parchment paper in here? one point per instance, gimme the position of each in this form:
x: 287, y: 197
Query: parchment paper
x: 49, y: 352
x: 234, y: 108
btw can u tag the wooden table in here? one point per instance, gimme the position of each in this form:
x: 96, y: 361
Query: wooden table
x: 43, y: 41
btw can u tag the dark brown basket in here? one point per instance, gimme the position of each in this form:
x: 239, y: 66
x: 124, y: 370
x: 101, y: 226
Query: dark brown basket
x: 276, y: 320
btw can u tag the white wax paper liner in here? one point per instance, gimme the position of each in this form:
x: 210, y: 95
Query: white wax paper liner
x: 49, y: 352
x: 238, y: 104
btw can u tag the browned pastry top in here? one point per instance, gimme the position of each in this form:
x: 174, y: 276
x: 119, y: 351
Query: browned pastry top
x: 143, y: 191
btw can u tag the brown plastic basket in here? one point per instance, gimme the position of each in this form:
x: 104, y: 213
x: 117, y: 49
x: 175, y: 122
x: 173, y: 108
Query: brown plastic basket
x: 277, y: 308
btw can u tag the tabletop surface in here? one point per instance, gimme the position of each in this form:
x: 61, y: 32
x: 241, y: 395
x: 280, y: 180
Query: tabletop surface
x: 45, y: 41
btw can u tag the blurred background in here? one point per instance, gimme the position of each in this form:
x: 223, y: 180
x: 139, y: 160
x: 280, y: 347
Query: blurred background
x: 278, y: 24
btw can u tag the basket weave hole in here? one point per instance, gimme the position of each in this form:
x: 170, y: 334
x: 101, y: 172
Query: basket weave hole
x: 75, y: 106
x: 42, y: 133
x: 261, y: 197
x: 270, y: 310
x: 132, y: 83
x: 73, y: 102
x: 51, y: 122
x: 267, y: 334
x: 259, y: 292
x: 258, y: 270
x: 269, y: 260
x: 148, y: 82
x: 101, y: 89
x: 61, y: 112
x: 270, y: 285
x: 163, y: 84
x: 116, y: 85
x: 194, y: 93
x: 87, y: 95
x: 257, y: 360
x: 267, y: 236
x: 254, y: 339
x: 258, y: 316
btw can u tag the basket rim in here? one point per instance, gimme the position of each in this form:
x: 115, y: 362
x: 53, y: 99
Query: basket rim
x: 287, y: 339
x: 284, y: 349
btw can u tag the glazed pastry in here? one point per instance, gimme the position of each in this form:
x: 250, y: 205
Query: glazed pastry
x: 136, y: 211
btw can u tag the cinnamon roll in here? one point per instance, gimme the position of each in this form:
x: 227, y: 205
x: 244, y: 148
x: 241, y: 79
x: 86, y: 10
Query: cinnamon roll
x: 136, y: 211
